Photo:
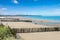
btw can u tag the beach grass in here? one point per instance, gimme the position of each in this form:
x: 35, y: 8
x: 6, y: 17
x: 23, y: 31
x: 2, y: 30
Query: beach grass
x: 5, y: 33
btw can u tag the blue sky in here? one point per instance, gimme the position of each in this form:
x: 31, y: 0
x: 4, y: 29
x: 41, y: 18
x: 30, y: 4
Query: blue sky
x: 30, y: 7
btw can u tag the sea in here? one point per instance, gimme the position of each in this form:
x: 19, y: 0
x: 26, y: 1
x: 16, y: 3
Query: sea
x: 56, y: 18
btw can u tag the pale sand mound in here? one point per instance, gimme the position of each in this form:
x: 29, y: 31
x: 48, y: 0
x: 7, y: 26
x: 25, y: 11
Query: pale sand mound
x: 41, y: 36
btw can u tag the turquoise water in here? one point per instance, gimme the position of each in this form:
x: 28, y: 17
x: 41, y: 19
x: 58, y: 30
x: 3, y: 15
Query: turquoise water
x: 57, y: 18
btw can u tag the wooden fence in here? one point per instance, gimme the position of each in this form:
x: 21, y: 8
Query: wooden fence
x: 29, y: 30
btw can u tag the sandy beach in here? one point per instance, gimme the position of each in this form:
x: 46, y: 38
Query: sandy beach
x: 24, y: 25
x: 40, y: 36
x: 36, y: 35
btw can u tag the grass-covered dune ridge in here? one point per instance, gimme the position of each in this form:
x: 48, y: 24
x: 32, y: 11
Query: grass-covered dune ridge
x: 5, y: 33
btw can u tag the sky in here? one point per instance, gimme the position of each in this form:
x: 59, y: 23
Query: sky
x: 30, y: 7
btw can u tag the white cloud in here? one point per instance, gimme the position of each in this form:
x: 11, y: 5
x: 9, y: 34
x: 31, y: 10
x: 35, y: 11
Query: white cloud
x: 3, y: 8
x: 15, y: 1
x: 3, y: 11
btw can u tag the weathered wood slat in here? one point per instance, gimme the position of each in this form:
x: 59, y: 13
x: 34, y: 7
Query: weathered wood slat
x: 29, y: 30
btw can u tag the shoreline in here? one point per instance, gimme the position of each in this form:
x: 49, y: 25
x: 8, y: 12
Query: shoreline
x: 33, y: 21
x: 25, y: 18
